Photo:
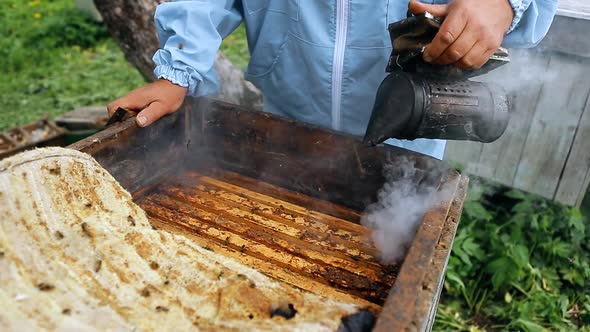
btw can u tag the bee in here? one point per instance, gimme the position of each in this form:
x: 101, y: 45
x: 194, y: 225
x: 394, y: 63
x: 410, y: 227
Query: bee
x: 146, y: 293
x: 59, y: 235
x: 45, y: 287
x: 161, y: 308
x: 86, y: 229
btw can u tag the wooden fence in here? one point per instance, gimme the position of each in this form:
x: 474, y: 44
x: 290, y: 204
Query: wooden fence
x: 546, y: 148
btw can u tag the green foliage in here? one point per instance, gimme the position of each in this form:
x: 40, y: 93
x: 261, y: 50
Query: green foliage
x: 235, y: 47
x: 56, y: 59
x: 519, y: 262
x: 70, y: 27
x: 31, y: 31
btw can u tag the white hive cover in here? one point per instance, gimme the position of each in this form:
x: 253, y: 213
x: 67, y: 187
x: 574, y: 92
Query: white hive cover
x: 76, y: 254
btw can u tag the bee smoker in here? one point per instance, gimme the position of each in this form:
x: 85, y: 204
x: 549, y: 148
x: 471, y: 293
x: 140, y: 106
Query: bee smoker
x: 422, y: 100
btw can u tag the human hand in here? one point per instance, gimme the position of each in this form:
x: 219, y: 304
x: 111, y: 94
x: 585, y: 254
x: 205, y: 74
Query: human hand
x: 152, y: 101
x: 471, y: 32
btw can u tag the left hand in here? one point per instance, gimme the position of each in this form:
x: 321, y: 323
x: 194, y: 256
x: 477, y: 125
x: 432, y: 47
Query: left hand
x: 471, y: 32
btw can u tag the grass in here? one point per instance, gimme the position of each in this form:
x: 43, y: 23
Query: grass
x: 77, y: 78
x: 55, y: 59
x: 519, y: 262
x: 235, y: 48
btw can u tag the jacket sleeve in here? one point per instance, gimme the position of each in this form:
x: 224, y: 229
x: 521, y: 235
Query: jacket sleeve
x: 532, y: 19
x: 190, y: 34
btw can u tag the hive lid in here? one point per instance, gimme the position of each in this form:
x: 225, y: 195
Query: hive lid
x: 77, y: 253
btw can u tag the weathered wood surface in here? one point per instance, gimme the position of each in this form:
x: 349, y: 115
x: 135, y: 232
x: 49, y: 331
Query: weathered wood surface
x: 576, y: 174
x: 545, y: 148
x: 566, y: 36
x: 574, y: 8
x: 36, y: 134
x: 501, y: 159
x: 553, y: 127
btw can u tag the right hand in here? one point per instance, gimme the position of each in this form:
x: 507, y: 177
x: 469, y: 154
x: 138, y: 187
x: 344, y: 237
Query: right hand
x: 472, y: 31
x: 152, y: 101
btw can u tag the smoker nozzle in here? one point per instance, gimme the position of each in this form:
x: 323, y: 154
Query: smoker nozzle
x: 395, y: 107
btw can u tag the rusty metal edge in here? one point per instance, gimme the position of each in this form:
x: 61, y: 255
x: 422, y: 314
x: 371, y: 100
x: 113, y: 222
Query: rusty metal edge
x: 443, y: 252
x: 412, y: 302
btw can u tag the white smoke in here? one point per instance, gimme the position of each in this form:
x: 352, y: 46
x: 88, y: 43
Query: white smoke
x: 400, y: 207
x: 527, y: 67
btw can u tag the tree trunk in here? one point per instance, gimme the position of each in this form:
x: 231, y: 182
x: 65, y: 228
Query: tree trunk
x: 131, y: 23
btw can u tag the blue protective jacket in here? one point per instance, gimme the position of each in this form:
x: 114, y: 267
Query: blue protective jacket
x: 318, y: 61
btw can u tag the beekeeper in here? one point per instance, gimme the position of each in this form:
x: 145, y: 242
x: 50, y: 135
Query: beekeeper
x: 321, y: 61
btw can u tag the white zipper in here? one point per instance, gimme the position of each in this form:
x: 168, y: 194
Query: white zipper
x: 338, y: 63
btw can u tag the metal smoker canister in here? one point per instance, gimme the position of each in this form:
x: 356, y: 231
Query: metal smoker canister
x: 423, y: 100
x: 412, y: 105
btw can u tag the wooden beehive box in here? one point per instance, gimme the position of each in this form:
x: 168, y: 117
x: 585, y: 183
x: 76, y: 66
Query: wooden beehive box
x: 285, y: 198
x: 36, y: 134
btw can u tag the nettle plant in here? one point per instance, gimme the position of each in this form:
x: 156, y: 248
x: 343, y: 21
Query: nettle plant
x: 519, y: 262
x: 70, y: 27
